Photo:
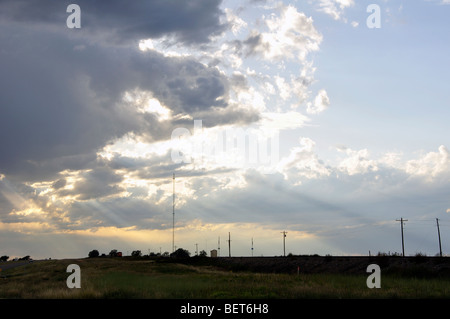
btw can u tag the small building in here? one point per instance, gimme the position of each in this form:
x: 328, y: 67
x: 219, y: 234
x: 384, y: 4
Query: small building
x: 214, y: 253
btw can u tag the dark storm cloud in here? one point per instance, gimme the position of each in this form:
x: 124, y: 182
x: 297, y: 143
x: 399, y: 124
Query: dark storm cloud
x: 97, y: 183
x: 190, y: 22
x: 62, y: 100
x: 62, y: 96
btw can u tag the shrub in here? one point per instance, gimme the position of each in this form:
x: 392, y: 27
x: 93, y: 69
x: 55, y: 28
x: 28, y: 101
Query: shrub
x: 136, y: 253
x: 420, y: 257
x: 93, y: 253
x: 180, y: 253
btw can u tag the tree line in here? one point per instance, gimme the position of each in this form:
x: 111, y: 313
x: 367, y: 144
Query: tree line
x: 179, y: 253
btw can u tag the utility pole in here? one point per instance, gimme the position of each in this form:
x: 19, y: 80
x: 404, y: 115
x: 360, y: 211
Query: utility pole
x: 284, y: 242
x: 252, y: 246
x: 403, y: 242
x: 439, y: 236
x: 229, y: 245
x: 173, y: 215
x: 218, y: 246
x: 196, y: 249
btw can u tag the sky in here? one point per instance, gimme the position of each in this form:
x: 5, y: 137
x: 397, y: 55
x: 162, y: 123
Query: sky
x: 327, y: 119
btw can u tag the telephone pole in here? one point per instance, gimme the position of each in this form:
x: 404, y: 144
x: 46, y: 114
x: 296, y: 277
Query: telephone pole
x: 229, y: 244
x: 252, y: 246
x: 401, y: 220
x: 439, y: 236
x: 284, y: 242
x: 218, y: 246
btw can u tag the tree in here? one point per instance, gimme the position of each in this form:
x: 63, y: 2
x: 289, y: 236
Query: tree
x: 113, y: 253
x: 136, y: 253
x: 4, y: 258
x: 180, y: 253
x: 94, y: 253
x: 203, y: 253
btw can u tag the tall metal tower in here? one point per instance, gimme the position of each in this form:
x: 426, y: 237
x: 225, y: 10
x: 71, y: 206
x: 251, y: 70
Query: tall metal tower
x: 173, y: 215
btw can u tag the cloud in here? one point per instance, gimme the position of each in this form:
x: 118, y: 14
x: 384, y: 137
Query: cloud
x: 190, y: 23
x: 75, y: 99
x: 292, y: 35
x: 357, y: 162
x: 87, y: 117
x: 329, y: 202
x: 431, y: 165
x: 334, y: 8
x: 98, y: 183
x: 303, y: 163
x: 236, y: 23
x: 321, y: 103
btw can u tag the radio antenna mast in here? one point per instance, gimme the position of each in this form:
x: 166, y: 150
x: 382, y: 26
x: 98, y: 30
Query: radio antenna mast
x: 173, y: 215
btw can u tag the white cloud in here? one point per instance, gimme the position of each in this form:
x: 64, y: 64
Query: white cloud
x: 144, y: 102
x: 302, y: 162
x: 357, y: 162
x: 283, y: 87
x: 335, y: 8
x: 236, y: 23
x: 291, y: 36
x: 283, y: 121
x: 431, y: 165
x: 321, y: 103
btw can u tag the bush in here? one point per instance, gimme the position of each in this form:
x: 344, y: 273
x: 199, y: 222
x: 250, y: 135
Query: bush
x: 113, y: 253
x: 180, y: 253
x: 136, y: 253
x: 420, y: 257
x: 93, y: 253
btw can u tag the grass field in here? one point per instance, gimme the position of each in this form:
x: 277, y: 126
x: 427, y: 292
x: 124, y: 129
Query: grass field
x: 121, y: 278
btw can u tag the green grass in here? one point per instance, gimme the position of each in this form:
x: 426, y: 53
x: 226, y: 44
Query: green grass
x: 120, y: 278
